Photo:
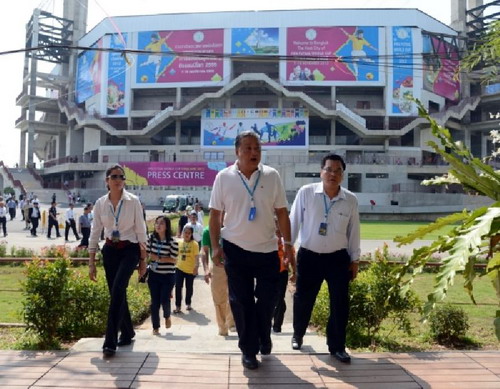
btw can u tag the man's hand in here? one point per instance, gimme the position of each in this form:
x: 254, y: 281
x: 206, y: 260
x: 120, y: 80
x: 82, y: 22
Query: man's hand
x: 289, y: 255
x: 207, y: 277
x: 92, y: 270
x: 142, y: 269
x: 218, y: 257
x: 354, y: 267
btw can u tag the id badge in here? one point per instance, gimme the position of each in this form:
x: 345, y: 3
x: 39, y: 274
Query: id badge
x: 153, y: 266
x: 252, y: 213
x: 323, y: 228
x: 183, y: 257
x: 115, y: 236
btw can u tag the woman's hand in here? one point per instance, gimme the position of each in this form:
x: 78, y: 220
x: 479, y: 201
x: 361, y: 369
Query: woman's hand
x: 92, y: 271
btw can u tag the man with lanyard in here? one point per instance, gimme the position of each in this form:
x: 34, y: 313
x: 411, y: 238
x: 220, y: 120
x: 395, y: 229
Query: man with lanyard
x: 250, y: 194
x: 70, y: 223
x: 326, y: 217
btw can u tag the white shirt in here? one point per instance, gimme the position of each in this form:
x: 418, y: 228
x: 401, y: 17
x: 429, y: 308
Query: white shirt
x: 197, y: 230
x: 131, y: 224
x: 230, y: 195
x: 201, y: 214
x: 70, y: 214
x: 308, y: 211
x: 3, y: 211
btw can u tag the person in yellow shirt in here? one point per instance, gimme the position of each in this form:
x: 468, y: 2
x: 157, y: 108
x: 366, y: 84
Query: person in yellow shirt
x: 155, y: 46
x: 186, y: 268
x: 358, y: 43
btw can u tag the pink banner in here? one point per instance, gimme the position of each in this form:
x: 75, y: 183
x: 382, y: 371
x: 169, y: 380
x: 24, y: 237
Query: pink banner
x: 172, y: 173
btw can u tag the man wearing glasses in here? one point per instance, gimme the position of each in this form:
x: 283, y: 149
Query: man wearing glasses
x: 326, y: 217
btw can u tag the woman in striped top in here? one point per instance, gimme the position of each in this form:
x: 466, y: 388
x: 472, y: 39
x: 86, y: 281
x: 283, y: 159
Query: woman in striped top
x: 163, y: 250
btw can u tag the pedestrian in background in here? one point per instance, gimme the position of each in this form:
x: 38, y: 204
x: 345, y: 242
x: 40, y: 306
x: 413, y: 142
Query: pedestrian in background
x: 70, y: 223
x: 163, y: 250
x: 84, y: 227
x: 186, y: 268
x: 3, y: 217
x: 53, y: 222
x: 34, y: 216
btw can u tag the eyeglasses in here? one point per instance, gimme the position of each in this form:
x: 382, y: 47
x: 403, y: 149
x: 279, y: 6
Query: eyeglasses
x: 333, y: 171
x: 117, y: 177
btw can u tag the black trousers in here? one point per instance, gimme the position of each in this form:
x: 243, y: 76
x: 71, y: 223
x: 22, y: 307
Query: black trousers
x: 119, y: 265
x: 280, y: 308
x: 253, y: 283
x: 312, y: 270
x: 34, y: 225
x: 54, y: 223
x: 85, y: 236
x: 3, y: 223
x: 71, y: 224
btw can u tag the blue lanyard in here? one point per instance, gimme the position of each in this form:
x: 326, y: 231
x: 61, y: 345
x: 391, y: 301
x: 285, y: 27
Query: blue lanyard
x: 250, y: 192
x: 159, y: 244
x: 327, y: 208
x: 117, y: 216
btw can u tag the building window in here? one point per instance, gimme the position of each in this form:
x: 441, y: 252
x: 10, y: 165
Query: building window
x: 363, y: 104
x: 166, y: 104
x: 261, y: 104
x: 307, y: 175
x: 377, y: 175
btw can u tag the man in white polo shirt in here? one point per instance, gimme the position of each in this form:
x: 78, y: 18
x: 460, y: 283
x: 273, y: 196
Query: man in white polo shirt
x: 250, y: 194
x: 326, y: 217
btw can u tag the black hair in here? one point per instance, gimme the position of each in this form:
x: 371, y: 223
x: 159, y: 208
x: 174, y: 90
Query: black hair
x: 186, y: 227
x: 110, y: 169
x: 242, y: 135
x: 332, y: 157
x: 168, y: 226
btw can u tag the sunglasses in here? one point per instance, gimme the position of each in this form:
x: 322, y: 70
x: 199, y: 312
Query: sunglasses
x: 117, y: 177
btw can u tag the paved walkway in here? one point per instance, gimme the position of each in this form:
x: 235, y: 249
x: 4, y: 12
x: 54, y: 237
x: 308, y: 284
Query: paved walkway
x: 192, y: 355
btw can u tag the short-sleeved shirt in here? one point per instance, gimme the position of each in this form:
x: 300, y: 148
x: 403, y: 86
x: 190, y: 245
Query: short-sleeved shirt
x: 84, y: 221
x: 186, y: 260
x: 230, y: 195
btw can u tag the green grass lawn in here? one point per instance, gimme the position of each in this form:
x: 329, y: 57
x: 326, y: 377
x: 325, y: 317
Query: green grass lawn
x: 389, y: 230
x: 10, y: 293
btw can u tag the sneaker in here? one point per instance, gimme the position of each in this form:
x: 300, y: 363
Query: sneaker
x: 156, y: 331
x: 177, y: 310
x: 168, y: 322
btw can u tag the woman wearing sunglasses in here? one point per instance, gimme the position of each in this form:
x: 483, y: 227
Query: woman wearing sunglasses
x: 120, y: 214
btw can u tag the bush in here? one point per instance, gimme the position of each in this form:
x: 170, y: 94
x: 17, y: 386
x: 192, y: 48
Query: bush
x: 3, y: 249
x: 21, y: 252
x: 62, y: 304
x: 448, y: 324
x: 374, y: 298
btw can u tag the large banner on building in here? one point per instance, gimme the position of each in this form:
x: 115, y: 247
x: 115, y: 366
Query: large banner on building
x: 276, y: 128
x: 334, y: 54
x: 117, y: 67
x: 255, y: 41
x: 88, y: 76
x: 178, y: 66
x: 403, y: 80
x: 172, y: 173
x: 441, y: 68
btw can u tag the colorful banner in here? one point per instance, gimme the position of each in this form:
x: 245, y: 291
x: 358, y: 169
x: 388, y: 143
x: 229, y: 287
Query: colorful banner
x: 172, y: 173
x: 88, y: 78
x: 402, y: 76
x: 441, y: 68
x: 255, y: 41
x: 279, y: 128
x: 352, y: 52
x: 117, y: 67
x: 159, y: 67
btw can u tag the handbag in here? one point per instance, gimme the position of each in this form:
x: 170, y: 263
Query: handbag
x: 144, y: 278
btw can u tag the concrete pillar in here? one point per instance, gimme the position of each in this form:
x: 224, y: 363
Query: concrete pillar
x: 22, y: 152
x: 280, y: 102
x: 467, y: 140
x: 458, y: 19
x: 32, y: 90
x: 227, y: 103
x: 61, y: 146
x: 333, y: 131
x: 484, y: 145
x: 333, y: 97
x: 178, y: 98
x: 177, y: 132
x: 386, y: 122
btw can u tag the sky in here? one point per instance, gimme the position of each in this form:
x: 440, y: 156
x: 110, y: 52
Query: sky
x: 13, y: 32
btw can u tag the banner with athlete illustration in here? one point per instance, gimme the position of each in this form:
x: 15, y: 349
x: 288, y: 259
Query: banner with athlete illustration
x: 332, y: 54
x: 276, y: 128
x: 158, y: 67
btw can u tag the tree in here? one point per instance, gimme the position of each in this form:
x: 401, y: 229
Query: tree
x: 477, y: 233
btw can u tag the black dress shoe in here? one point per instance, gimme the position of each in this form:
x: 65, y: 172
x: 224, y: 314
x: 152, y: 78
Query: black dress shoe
x: 342, y: 356
x: 108, y: 351
x: 277, y: 329
x: 265, y: 349
x: 124, y: 342
x: 250, y: 362
x: 296, y: 343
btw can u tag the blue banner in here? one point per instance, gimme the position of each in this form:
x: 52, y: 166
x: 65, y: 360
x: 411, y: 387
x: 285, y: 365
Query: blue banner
x: 402, y: 78
x: 117, y: 68
x: 255, y: 41
x: 88, y: 76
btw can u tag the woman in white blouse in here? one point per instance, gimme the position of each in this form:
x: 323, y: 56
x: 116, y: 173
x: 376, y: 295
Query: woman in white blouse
x: 120, y: 214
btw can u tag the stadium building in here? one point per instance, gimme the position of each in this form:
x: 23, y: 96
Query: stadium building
x: 165, y: 95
